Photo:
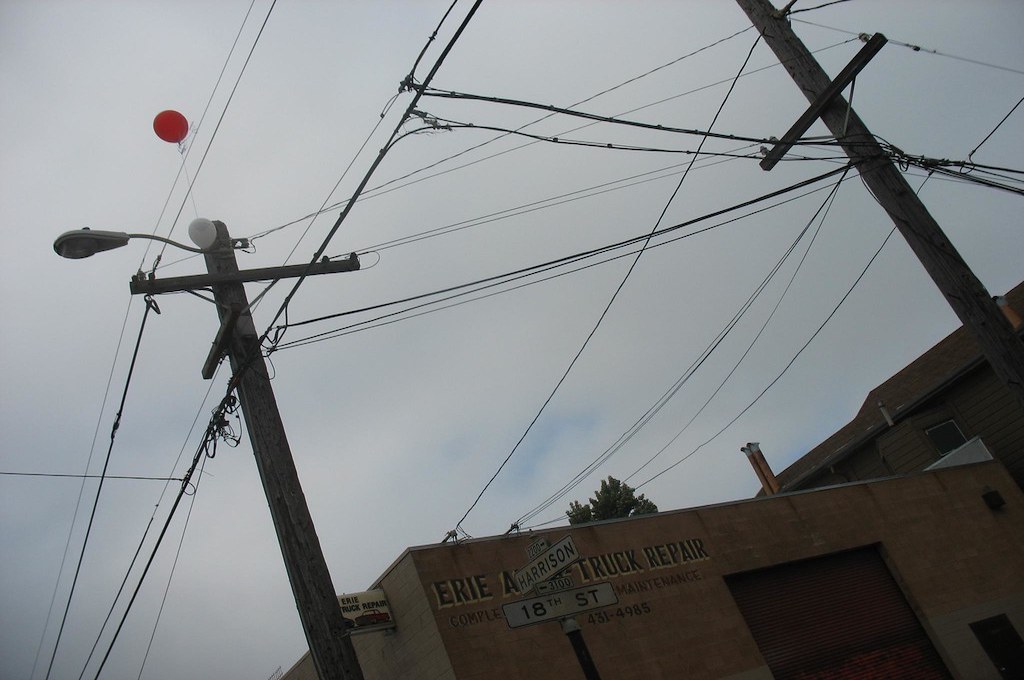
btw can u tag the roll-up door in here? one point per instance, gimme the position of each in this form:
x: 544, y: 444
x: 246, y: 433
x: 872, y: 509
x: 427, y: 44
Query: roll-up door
x: 839, y: 616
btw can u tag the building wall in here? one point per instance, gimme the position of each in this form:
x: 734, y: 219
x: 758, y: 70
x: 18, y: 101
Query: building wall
x: 413, y: 650
x: 955, y: 560
x: 980, y: 405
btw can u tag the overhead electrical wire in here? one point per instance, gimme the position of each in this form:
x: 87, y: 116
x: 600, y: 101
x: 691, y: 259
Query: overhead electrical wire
x: 916, y: 48
x: 674, y: 389
x: 998, y: 125
x: 207, y: 448
x: 823, y: 212
x: 417, y: 89
x: 573, y: 258
x: 610, y: 303
x: 231, y: 440
x: 198, y: 455
x: 595, y: 118
x: 81, y: 488
x: 591, y: 191
x: 529, y: 278
x: 966, y: 177
x: 78, y: 476
x: 149, y: 524
x: 156, y: 263
x: 377, y: 191
x: 117, y: 354
x: 786, y: 368
x: 446, y: 124
x: 150, y: 306
x: 383, y: 189
x: 174, y: 566
x: 816, y: 7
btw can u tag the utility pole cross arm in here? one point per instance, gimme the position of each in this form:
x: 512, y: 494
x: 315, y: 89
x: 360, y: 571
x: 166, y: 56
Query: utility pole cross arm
x: 812, y: 114
x: 141, y: 285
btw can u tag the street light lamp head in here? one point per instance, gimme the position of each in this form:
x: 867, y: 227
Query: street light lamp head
x: 80, y: 243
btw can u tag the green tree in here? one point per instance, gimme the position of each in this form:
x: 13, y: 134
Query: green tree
x: 613, y: 499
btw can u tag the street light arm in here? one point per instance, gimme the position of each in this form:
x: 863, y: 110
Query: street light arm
x: 153, y: 237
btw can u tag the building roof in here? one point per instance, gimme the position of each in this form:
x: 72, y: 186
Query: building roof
x: 945, y: 362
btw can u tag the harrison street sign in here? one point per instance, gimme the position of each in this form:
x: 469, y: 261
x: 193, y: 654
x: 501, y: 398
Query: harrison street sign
x: 547, y: 564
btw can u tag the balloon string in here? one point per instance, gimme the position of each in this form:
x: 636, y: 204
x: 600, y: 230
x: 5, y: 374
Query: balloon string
x: 191, y: 194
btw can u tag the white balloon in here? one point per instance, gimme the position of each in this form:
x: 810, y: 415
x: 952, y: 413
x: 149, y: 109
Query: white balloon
x: 203, y: 233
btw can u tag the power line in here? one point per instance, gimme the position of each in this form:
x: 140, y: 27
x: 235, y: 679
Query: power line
x: 811, y: 9
x: 79, y: 476
x: 376, y: 163
x: 150, y: 306
x: 376, y: 191
x: 208, y: 448
x: 998, y: 125
x: 542, y: 204
x: 382, y: 189
x: 823, y: 211
x: 145, y: 533
x: 431, y: 307
x: 611, y: 301
x: 785, y: 368
x: 593, y: 117
x: 570, y: 259
x: 231, y: 441
x: 674, y: 389
x: 81, y: 488
x: 916, y: 48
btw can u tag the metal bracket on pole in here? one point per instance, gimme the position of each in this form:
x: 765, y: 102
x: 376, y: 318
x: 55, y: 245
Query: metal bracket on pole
x: 823, y: 100
x: 221, y: 341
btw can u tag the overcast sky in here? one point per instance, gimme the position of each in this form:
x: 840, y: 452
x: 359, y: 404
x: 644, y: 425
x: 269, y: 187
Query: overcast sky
x: 396, y: 428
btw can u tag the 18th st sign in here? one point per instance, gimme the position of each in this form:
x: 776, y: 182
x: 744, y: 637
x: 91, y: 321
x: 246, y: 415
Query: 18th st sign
x: 559, y: 605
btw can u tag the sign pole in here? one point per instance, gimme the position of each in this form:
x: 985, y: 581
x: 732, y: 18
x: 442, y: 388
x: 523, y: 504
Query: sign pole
x: 572, y: 631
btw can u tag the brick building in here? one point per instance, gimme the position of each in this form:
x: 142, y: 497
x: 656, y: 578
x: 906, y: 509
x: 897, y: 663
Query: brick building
x: 917, y: 576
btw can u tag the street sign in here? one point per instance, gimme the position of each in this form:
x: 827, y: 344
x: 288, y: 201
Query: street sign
x: 555, y: 585
x: 559, y: 605
x: 547, y: 565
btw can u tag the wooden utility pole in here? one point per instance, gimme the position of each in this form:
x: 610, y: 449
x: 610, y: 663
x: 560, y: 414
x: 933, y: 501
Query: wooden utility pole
x: 329, y: 643
x: 961, y: 288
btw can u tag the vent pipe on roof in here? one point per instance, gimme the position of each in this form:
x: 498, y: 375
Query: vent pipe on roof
x: 1009, y: 312
x: 885, y: 413
x: 761, y: 468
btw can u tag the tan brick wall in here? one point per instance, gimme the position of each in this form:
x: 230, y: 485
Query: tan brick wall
x: 413, y: 649
x: 956, y: 560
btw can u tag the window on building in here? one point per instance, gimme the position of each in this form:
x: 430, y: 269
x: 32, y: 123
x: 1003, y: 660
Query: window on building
x: 946, y: 436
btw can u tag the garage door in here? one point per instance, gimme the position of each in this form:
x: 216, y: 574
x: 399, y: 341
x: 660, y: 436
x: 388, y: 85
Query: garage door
x: 838, y: 616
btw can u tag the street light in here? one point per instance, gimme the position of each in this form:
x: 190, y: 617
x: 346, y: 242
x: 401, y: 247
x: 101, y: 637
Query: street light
x: 315, y: 597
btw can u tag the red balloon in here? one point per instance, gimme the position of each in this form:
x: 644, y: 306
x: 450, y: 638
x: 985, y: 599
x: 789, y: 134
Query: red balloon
x: 170, y: 126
